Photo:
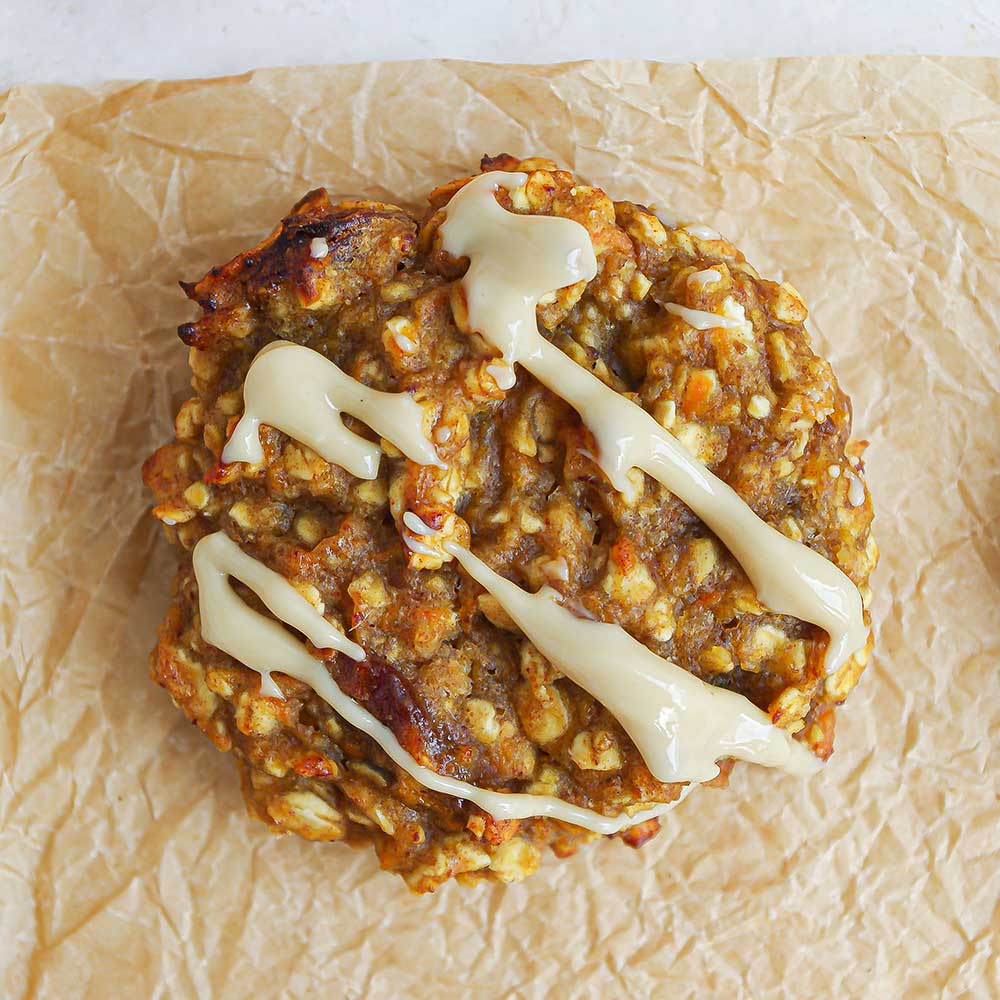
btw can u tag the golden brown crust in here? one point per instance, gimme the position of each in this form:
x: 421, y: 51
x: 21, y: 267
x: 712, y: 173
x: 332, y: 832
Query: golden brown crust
x: 464, y: 692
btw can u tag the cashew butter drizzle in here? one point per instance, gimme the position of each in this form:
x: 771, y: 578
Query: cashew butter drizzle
x: 679, y: 724
x: 263, y: 645
x: 514, y: 261
x: 230, y: 625
x: 302, y: 393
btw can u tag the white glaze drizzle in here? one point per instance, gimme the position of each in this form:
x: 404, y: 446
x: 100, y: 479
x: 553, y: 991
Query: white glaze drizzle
x: 415, y: 524
x: 302, y: 393
x: 236, y: 629
x: 701, y: 231
x: 698, y: 279
x: 679, y: 724
x: 702, y: 320
x: 263, y: 645
x: 514, y: 260
x: 855, y: 490
x: 413, y: 543
x: 503, y: 375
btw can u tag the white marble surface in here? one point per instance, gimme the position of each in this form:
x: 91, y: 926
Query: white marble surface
x: 87, y: 40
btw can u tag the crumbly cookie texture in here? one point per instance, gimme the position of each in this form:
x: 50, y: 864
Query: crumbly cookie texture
x: 368, y: 285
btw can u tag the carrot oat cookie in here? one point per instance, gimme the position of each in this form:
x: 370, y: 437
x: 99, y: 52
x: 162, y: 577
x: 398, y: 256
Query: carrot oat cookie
x: 504, y: 527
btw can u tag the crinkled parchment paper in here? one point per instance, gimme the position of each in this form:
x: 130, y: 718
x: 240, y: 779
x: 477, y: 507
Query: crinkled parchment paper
x: 127, y: 865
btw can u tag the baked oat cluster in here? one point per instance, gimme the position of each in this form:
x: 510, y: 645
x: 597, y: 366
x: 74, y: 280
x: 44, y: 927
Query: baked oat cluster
x: 367, y: 285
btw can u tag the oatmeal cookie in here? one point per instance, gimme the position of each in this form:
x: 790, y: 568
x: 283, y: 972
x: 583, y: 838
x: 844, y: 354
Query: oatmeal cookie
x: 369, y: 286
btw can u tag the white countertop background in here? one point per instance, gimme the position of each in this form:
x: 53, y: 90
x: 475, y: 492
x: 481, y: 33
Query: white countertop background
x: 83, y: 41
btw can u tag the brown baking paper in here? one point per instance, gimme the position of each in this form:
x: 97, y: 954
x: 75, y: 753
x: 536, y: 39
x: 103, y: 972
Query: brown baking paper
x: 128, y: 867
